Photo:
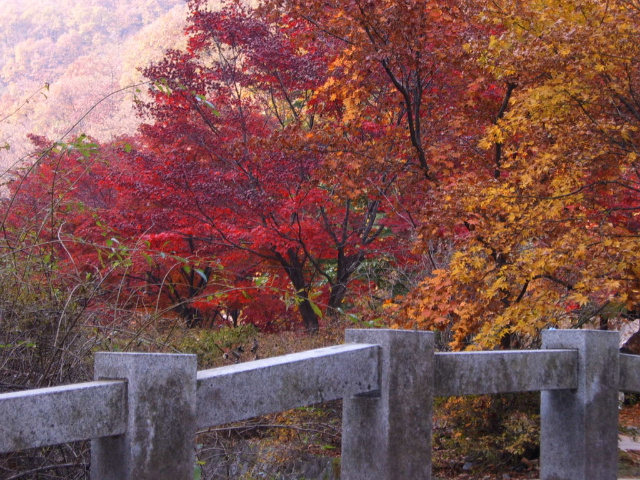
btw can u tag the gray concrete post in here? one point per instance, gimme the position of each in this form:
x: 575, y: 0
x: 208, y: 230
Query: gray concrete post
x: 161, y: 425
x: 579, y: 428
x: 386, y: 435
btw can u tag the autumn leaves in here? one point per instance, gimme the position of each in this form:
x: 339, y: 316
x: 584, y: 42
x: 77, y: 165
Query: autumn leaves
x: 554, y: 236
x: 457, y: 165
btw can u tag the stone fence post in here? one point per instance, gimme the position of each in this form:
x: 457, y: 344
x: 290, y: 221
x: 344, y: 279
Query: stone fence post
x: 161, y: 412
x: 579, y: 428
x: 386, y: 435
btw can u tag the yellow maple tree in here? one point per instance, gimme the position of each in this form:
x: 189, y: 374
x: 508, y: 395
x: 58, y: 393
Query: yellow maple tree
x: 551, y: 238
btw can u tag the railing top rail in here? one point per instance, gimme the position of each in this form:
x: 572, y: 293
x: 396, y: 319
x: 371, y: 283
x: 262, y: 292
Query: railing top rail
x: 476, y: 373
x: 283, y: 359
x: 237, y: 392
x: 48, y: 416
x: 62, y: 414
x: 630, y: 373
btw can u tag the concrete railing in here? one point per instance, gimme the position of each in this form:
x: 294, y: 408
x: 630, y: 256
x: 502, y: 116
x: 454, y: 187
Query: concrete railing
x: 143, y: 410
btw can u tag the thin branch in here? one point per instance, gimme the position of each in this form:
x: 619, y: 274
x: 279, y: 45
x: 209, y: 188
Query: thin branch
x: 48, y: 467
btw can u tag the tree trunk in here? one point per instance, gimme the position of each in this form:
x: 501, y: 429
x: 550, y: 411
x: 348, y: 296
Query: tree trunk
x: 309, y: 317
x: 346, y: 266
x: 295, y: 269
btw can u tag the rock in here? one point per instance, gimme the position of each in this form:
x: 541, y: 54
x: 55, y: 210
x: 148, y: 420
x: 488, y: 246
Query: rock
x: 630, y: 337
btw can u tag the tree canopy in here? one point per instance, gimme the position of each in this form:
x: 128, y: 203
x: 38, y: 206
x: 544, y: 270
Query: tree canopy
x: 422, y: 163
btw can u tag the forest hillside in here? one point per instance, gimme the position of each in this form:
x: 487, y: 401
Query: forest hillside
x: 60, y: 58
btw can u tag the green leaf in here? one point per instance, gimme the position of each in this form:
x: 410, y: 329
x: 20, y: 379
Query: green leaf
x: 203, y: 100
x: 315, y: 308
x: 261, y: 281
x: 162, y: 86
x: 202, y: 274
x: 197, y: 472
x: 148, y: 258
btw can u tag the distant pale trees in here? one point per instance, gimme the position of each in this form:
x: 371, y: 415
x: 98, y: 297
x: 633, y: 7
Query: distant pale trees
x: 84, y: 51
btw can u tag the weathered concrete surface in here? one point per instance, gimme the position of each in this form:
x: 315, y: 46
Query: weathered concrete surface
x: 149, y: 408
x: 630, y: 373
x: 47, y: 416
x: 579, y: 428
x: 237, y: 392
x: 476, y: 373
x: 387, y: 435
x: 161, y: 413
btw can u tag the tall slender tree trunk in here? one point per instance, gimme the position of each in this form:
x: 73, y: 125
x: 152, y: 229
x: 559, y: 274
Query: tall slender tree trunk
x: 347, y: 264
x: 295, y: 269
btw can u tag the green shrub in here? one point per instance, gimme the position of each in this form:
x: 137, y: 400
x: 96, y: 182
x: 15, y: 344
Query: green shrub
x: 211, y: 346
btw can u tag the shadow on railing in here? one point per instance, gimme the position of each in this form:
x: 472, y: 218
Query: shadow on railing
x: 143, y: 410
